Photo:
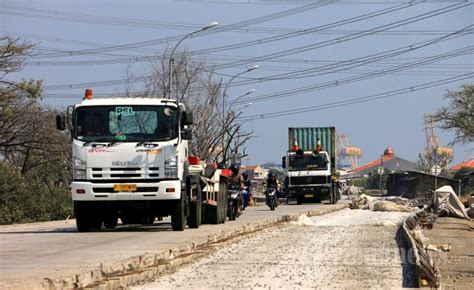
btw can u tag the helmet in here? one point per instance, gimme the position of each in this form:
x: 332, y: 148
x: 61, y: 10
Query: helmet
x: 245, y: 175
x: 270, y: 175
x: 234, y: 168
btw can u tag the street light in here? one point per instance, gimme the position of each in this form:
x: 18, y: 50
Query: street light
x: 244, y: 106
x: 238, y: 98
x: 224, y: 95
x: 170, y: 79
x: 228, y: 83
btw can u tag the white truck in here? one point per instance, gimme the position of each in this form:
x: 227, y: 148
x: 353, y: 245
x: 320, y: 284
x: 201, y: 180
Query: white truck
x: 130, y: 161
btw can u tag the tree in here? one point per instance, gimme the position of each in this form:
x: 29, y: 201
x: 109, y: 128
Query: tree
x: 459, y: 115
x: 195, y: 85
x: 35, y: 157
x: 426, y: 162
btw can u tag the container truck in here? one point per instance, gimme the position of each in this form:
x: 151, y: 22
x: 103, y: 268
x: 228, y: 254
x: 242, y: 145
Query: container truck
x: 131, y: 161
x: 310, y: 165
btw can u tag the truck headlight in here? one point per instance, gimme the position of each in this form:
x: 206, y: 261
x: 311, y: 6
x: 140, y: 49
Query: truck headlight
x: 79, y: 169
x: 79, y: 164
x: 79, y: 174
x: 171, y: 167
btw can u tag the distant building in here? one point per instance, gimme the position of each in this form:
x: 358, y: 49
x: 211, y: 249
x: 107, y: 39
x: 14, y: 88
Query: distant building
x: 388, y: 161
x: 465, y: 164
x: 256, y: 172
x: 258, y: 176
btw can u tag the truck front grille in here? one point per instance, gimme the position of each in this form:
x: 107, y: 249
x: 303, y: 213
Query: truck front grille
x: 118, y: 173
x: 153, y: 189
x: 303, y: 180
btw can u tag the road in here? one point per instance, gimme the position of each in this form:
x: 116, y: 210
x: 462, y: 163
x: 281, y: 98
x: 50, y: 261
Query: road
x: 353, y: 249
x: 31, y: 252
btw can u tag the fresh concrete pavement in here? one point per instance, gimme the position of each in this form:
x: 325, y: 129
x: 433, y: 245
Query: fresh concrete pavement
x: 53, y: 254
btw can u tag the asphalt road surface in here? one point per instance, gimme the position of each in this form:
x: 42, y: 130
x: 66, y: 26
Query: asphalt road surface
x: 32, y: 252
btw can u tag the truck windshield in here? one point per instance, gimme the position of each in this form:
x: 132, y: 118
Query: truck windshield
x: 125, y: 123
x: 308, y: 162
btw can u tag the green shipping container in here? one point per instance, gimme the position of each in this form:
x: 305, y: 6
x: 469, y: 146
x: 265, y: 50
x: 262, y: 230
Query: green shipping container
x: 307, y: 139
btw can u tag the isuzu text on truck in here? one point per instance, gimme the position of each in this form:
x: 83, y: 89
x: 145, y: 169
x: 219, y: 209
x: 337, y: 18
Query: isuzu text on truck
x: 310, y: 165
x: 130, y: 161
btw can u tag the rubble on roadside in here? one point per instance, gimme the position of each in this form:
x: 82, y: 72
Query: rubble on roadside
x: 391, y: 203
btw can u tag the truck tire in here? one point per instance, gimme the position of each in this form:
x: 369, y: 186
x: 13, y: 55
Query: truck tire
x: 299, y: 200
x: 83, y: 222
x: 148, y: 220
x: 110, y: 222
x: 223, y: 207
x: 178, y: 217
x: 193, y: 191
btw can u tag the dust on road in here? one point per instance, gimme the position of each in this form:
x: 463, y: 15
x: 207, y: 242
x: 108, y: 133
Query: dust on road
x: 348, y: 248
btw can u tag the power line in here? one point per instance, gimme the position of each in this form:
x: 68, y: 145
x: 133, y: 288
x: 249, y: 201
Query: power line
x: 265, y: 40
x: 357, y: 62
x: 223, y: 28
x: 339, y: 82
x: 324, y: 69
x: 360, y: 99
x: 339, y: 40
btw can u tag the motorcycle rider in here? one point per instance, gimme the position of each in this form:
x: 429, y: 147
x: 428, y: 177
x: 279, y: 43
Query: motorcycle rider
x: 273, y: 182
x: 236, y: 180
x: 246, y: 183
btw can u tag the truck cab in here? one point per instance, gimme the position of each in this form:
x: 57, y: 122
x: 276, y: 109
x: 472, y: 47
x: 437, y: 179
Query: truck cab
x: 308, y: 176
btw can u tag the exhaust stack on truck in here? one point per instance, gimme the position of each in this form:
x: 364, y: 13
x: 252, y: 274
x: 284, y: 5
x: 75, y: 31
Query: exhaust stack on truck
x: 310, y: 165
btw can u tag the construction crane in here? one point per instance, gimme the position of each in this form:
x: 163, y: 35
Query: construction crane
x: 349, y: 154
x: 432, y: 143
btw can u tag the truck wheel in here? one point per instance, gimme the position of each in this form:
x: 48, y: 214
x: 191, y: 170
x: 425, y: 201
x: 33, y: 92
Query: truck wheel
x: 195, y: 203
x: 299, y: 200
x: 195, y: 212
x: 83, y: 222
x: 110, y: 222
x: 150, y: 220
x: 178, y: 217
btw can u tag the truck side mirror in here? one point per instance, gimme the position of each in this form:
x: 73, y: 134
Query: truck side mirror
x: 60, y: 122
x: 187, y: 118
x: 283, y: 162
x: 187, y: 135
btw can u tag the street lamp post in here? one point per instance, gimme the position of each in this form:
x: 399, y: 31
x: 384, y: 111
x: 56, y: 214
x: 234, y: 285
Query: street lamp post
x: 224, y: 95
x: 170, y: 78
x: 240, y: 97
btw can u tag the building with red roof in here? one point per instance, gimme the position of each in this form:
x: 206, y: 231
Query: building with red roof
x: 388, y: 161
x: 466, y: 163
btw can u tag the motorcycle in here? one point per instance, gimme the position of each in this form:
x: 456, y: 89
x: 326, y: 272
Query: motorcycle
x: 271, y: 198
x: 235, y: 202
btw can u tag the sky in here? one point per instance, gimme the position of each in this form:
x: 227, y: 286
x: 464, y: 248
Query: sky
x: 422, y: 53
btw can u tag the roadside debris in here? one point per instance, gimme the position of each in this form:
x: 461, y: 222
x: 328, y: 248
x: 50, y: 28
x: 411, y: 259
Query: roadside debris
x: 440, y: 248
x: 392, y: 203
x: 446, y: 203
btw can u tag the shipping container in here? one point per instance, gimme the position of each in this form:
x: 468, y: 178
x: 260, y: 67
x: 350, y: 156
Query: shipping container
x: 307, y: 138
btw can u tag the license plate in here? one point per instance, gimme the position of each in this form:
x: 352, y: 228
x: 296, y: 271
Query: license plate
x: 308, y: 195
x: 125, y: 187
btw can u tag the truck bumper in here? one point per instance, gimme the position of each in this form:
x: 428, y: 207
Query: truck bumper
x: 89, y: 191
x: 318, y: 192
